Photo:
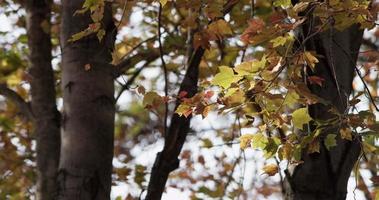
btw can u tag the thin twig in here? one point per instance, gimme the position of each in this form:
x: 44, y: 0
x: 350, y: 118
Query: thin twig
x: 21, y: 104
x: 163, y: 66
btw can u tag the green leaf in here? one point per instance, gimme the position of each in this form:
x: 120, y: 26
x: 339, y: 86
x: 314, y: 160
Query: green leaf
x: 281, y: 40
x: 259, y: 141
x: 149, y: 98
x: 225, y: 77
x: 291, y: 98
x: 330, y: 141
x: 300, y: 117
x: 207, y: 143
x: 283, y: 3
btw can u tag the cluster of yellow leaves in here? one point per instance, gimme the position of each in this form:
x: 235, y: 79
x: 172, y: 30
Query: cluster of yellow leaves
x: 96, y: 8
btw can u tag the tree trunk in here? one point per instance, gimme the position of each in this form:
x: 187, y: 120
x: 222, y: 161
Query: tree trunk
x: 46, y: 116
x: 88, y: 118
x: 325, y: 175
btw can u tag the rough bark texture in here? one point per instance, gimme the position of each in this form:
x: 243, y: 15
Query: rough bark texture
x: 325, y: 175
x: 47, y: 118
x: 88, y: 118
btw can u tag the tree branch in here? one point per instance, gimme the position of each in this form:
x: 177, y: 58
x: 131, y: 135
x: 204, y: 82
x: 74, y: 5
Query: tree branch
x: 126, y: 64
x: 21, y: 104
x: 167, y: 160
x: 131, y: 80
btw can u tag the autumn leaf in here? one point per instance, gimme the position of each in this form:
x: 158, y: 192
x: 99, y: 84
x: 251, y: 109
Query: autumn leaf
x: 184, y: 109
x: 225, y: 77
x: 141, y: 90
x: 249, y: 68
x: 310, y: 59
x: 150, y: 98
x: 281, y: 40
x: 209, y: 94
x: 300, y: 117
x: 201, y: 39
x: 270, y: 169
x: 282, y: 3
x: 316, y: 80
x: 207, y: 143
x: 259, y: 141
x: 330, y: 141
x: 163, y: 2
x: 245, y: 140
x: 346, y: 133
x: 219, y: 29
x: 314, y: 146
x: 300, y: 7
x: 182, y: 94
x: 255, y: 26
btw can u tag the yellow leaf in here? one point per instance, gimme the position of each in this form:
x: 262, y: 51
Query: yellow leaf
x: 270, y: 169
x: 346, y: 134
x: 281, y: 40
x: 225, y: 77
x: 310, y: 59
x: 163, y: 2
x: 184, y: 109
x: 300, y: 117
x: 249, y: 68
x: 245, y: 140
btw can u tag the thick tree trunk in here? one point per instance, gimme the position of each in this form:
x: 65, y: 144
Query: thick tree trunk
x: 88, y: 118
x: 325, y: 175
x: 46, y: 116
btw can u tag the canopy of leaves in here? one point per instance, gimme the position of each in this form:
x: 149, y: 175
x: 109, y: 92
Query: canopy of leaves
x: 252, y: 92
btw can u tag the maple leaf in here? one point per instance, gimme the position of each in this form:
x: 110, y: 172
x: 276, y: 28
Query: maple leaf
x: 184, y: 109
x: 330, y: 141
x: 225, y: 77
x: 346, y: 134
x: 219, y: 30
x: 310, y: 59
x: 201, y: 39
x: 300, y: 117
x: 245, y: 140
x: 270, y: 169
x: 182, y: 94
x: 255, y: 26
x: 316, y: 80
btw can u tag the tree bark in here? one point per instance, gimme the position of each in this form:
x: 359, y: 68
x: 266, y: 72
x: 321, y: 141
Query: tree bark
x: 88, y: 118
x: 325, y: 175
x: 46, y: 116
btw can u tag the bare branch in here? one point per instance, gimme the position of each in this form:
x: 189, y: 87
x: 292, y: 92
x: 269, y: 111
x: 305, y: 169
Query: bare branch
x: 125, y: 65
x: 21, y: 104
x: 161, y: 54
x: 131, y: 80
